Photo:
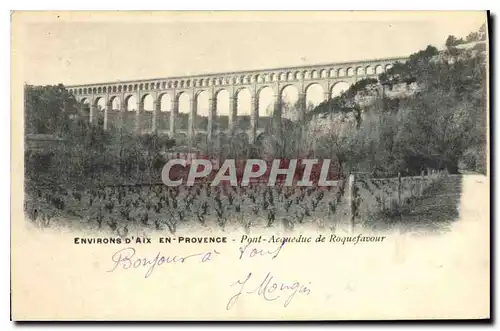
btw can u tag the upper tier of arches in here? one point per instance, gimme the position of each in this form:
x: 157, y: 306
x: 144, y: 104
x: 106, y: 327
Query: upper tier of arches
x: 264, y: 77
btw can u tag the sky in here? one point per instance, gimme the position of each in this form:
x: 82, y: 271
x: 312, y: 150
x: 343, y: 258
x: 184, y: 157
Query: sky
x: 72, y: 48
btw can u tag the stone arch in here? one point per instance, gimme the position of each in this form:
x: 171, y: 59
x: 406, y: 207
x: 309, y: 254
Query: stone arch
x: 100, y: 103
x: 338, y: 88
x: 314, y: 74
x: 289, y: 95
x: 379, y: 69
x: 184, y: 104
x: 243, y: 94
x: 273, y: 77
x: 164, y: 102
x: 388, y: 66
x: 147, y: 102
x: 307, y: 74
x: 265, y: 98
x: 315, y: 94
x: 369, y: 70
x: 341, y: 72
x: 130, y: 102
x: 86, y: 102
x: 324, y: 73
x: 202, y: 110
x: 298, y: 75
x: 222, y: 109
x: 114, y: 103
x: 243, y: 108
x: 360, y: 71
x: 282, y: 76
x: 332, y: 72
x: 350, y: 72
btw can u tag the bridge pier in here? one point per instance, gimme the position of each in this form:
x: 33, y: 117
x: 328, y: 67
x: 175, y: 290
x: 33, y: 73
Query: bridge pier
x: 233, y: 114
x: 254, y: 118
x: 140, y: 108
x: 109, y: 108
x: 212, y: 114
x: 302, y: 107
x: 156, y: 111
x: 192, y: 117
x: 92, y: 113
x: 121, y: 113
x: 174, y: 110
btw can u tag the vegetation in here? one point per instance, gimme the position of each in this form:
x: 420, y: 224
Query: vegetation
x: 426, y: 113
x: 89, y: 155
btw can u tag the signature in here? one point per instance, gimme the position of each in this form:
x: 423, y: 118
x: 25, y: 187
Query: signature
x: 269, y: 289
x: 125, y: 259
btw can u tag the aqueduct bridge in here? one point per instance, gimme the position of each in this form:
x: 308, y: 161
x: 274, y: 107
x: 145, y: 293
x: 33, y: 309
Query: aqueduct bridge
x: 110, y: 102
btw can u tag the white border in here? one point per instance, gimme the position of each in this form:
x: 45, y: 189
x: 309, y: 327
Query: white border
x: 493, y: 5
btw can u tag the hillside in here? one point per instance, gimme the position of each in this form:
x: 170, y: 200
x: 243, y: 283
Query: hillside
x: 429, y: 112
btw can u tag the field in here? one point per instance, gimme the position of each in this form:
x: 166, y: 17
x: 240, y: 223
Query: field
x: 158, y: 207
x: 372, y: 203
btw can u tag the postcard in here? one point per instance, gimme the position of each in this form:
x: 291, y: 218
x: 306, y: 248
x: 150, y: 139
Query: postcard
x: 230, y: 165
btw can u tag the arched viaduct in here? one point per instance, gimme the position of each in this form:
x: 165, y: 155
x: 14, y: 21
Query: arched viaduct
x: 119, y: 94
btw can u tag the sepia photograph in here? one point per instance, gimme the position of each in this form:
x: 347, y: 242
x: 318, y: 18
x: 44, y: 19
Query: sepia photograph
x: 202, y: 140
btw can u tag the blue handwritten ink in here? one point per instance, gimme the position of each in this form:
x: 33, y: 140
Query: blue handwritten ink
x: 125, y: 258
x: 260, y: 252
x: 235, y: 297
x: 270, y: 290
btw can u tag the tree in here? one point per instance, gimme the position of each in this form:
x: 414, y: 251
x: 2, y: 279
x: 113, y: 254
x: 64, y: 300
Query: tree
x: 47, y: 109
x: 451, y: 41
x: 435, y: 118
